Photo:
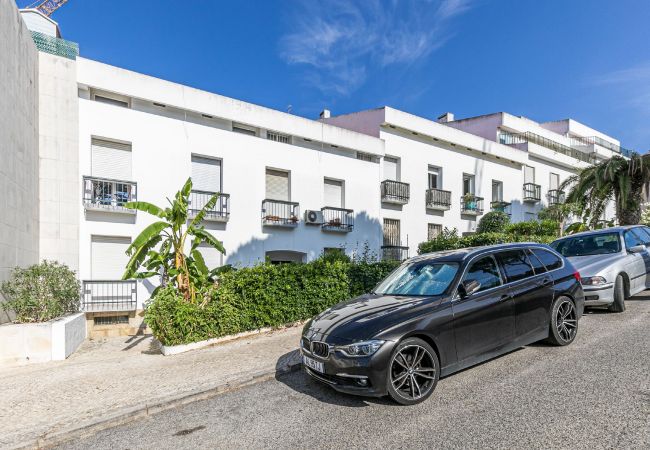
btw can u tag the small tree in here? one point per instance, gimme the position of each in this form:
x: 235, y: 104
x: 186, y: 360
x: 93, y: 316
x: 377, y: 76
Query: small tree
x: 160, y: 248
x: 493, y: 222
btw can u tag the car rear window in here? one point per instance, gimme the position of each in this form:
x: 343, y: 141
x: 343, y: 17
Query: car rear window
x: 537, y: 264
x: 515, y: 264
x: 550, y: 261
x: 591, y: 244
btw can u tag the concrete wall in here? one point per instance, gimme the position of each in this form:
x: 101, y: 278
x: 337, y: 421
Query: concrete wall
x: 19, y: 82
x: 60, y: 200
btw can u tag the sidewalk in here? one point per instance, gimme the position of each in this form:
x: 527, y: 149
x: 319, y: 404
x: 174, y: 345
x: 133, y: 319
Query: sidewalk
x: 115, y: 379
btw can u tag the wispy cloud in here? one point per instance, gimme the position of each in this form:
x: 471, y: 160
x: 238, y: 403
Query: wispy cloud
x: 631, y: 84
x: 341, y: 41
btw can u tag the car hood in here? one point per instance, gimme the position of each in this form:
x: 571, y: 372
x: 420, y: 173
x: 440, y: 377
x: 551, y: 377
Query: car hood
x: 363, y: 317
x: 591, y: 265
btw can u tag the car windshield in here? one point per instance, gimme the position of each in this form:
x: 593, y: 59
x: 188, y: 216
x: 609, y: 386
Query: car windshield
x: 595, y: 244
x: 419, y: 278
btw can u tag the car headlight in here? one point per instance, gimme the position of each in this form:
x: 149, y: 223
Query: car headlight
x: 365, y: 348
x: 593, y: 281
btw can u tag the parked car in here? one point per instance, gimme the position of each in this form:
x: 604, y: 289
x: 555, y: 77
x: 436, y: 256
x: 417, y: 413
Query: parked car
x: 614, y: 263
x: 440, y: 313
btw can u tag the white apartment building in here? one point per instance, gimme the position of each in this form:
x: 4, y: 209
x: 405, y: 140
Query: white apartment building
x: 291, y: 188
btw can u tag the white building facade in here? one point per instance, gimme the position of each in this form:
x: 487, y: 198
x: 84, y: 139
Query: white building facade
x: 291, y: 188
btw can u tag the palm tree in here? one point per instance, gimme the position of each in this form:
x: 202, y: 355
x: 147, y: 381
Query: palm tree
x: 619, y: 179
x: 160, y: 247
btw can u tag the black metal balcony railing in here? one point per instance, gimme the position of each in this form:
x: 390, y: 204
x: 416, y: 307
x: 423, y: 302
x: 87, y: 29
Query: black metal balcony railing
x: 584, y: 141
x: 394, y: 252
x: 395, y: 192
x: 555, y: 197
x: 509, y: 138
x: 532, y: 192
x: 438, y: 199
x: 337, y: 219
x: 471, y: 204
x: 107, y: 194
x: 220, y: 211
x: 500, y: 206
x: 279, y: 213
x: 109, y: 295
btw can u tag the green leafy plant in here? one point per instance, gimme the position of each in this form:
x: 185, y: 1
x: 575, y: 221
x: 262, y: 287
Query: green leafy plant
x: 452, y: 241
x: 534, y: 227
x: 160, y: 248
x: 41, y: 292
x: 493, y: 222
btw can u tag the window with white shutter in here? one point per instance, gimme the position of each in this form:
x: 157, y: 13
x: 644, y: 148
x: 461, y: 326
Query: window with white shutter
x: 110, y: 160
x: 334, y: 194
x: 529, y: 174
x: 277, y: 185
x: 554, y: 182
x: 391, y: 170
x: 108, y: 257
x: 206, y: 174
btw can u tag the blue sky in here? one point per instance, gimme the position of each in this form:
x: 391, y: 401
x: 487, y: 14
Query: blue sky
x: 544, y: 59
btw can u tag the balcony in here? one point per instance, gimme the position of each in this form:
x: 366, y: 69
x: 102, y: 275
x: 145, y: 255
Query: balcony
x: 219, y: 213
x: 279, y: 213
x: 337, y: 219
x: 104, y: 194
x: 394, y: 253
x: 109, y: 295
x: 555, y: 197
x: 438, y: 199
x: 501, y: 206
x: 471, y: 205
x: 395, y: 192
x: 508, y: 138
x: 532, y: 193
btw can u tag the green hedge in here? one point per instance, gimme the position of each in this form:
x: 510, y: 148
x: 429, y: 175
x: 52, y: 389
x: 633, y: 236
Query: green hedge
x: 266, y: 295
x: 493, y: 222
x: 452, y: 242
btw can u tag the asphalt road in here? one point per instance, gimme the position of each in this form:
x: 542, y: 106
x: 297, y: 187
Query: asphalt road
x: 592, y: 394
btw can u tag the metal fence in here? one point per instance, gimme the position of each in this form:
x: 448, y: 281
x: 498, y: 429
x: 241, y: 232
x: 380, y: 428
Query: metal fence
x: 437, y: 198
x: 509, y: 138
x: 109, y: 295
x: 394, y: 252
x: 279, y: 213
x: 395, y: 191
x: 220, y: 211
x: 471, y: 204
x: 532, y: 192
x: 105, y: 193
x: 555, y: 197
x: 337, y: 219
x: 500, y: 206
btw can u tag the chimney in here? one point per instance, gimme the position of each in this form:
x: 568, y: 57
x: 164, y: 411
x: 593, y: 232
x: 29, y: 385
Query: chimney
x: 446, y: 117
x: 325, y: 114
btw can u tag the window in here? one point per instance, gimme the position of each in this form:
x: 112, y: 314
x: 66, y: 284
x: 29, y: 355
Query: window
x: 365, y: 157
x: 554, y: 181
x: 206, y: 174
x: 277, y: 185
x: 391, y: 168
x: 529, y: 216
x: 538, y: 266
x: 435, y: 177
x: 550, y: 261
x: 529, y: 174
x: 642, y: 235
x: 515, y: 264
x: 596, y: 244
x: 111, y: 99
x: 485, y: 271
x: 497, y: 191
x: 419, y: 278
x: 278, y: 137
x: 244, y: 129
x: 391, y: 232
x: 108, y: 257
x: 468, y: 184
x: 433, y: 230
x: 110, y: 159
x: 632, y: 238
x: 334, y: 193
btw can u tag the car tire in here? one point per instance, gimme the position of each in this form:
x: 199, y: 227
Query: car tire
x: 413, y: 372
x: 619, y: 295
x: 563, y: 323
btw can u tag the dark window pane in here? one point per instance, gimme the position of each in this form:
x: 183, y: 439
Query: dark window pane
x: 536, y: 263
x: 547, y: 258
x: 516, y: 265
x: 486, y: 272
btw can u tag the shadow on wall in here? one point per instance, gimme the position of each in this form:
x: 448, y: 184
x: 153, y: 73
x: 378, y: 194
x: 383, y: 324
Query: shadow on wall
x: 309, y: 240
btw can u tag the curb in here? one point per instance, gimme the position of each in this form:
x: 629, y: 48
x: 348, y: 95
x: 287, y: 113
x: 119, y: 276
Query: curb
x: 290, y: 364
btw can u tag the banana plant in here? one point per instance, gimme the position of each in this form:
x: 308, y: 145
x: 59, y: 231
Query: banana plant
x: 160, y: 249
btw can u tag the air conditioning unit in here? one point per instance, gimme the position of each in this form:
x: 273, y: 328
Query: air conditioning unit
x: 313, y: 217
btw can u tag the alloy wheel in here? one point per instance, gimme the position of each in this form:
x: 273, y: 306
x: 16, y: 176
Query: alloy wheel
x: 412, y: 372
x: 566, y: 321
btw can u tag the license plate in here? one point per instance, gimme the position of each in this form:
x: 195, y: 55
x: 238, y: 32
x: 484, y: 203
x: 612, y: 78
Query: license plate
x: 313, y: 364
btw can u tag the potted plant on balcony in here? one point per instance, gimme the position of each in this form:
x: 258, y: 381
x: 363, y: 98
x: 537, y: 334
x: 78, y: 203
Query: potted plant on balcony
x: 469, y: 201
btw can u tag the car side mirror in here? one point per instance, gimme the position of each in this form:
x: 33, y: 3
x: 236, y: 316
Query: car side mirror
x: 636, y: 249
x: 468, y: 287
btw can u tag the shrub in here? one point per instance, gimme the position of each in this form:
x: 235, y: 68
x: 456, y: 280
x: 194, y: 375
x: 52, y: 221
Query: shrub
x: 41, y: 292
x: 533, y: 227
x: 493, y: 222
x: 453, y: 242
x: 364, y: 276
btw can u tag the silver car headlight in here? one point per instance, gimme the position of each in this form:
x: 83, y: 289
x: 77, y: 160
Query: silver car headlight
x: 593, y: 281
x: 365, y: 348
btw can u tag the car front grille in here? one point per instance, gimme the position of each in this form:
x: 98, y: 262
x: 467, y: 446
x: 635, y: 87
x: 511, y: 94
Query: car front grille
x: 320, y: 349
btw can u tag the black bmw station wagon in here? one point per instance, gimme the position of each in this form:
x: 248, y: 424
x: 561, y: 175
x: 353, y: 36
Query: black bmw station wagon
x: 442, y: 312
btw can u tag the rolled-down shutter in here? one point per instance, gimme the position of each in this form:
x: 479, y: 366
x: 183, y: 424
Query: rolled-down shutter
x: 108, y: 257
x: 206, y: 174
x: 554, y: 182
x: 390, y: 169
x: 111, y: 160
x: 277, y: 185
x: 333, y: 193
x: 529, y: 174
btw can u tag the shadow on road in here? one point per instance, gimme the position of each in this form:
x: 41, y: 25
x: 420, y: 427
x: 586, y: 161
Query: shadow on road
x: 639, y: 297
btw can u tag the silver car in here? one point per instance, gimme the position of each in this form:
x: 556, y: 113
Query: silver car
x: 614, y: 263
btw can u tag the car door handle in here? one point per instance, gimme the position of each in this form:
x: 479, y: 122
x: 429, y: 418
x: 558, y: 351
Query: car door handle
x: 505, y: 297
x: 546, y: 281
